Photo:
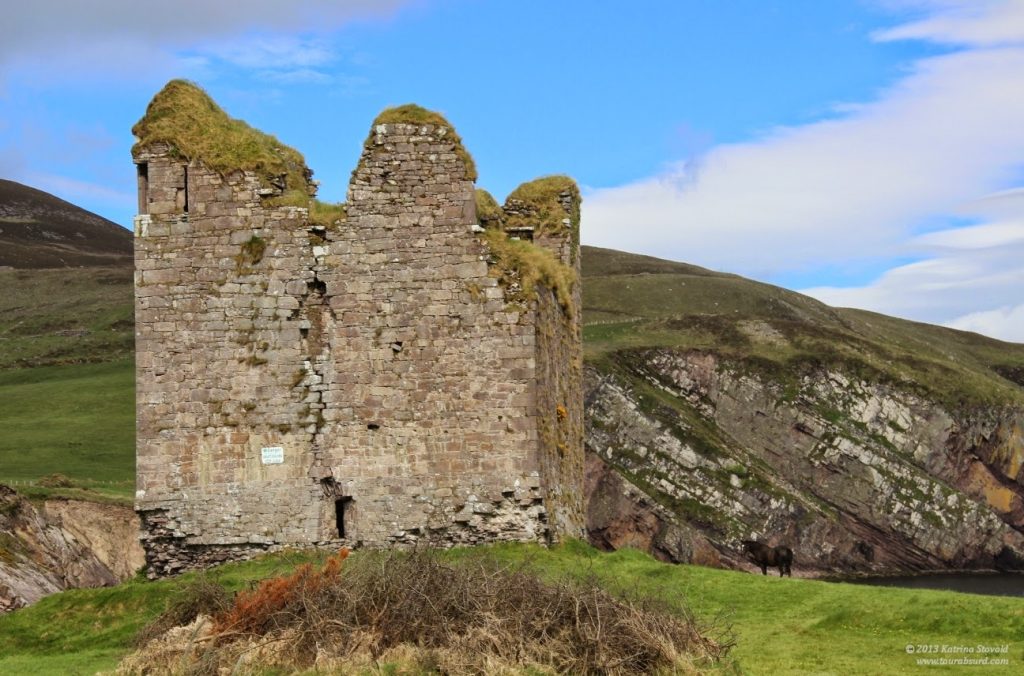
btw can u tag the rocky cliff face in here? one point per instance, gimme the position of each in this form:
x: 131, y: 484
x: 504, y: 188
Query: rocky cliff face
x: 856, y: 476
x: 64, y: 544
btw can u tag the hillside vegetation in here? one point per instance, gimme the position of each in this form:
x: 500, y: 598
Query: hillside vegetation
x: 633, y: 301
x: 780, y: 626
x: 66, y: 316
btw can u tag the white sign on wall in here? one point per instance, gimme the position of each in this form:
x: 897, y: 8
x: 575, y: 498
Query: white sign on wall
x: 272, y: 456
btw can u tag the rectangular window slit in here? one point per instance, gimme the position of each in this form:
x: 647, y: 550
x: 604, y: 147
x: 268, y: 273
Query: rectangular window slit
x: 143, y: 172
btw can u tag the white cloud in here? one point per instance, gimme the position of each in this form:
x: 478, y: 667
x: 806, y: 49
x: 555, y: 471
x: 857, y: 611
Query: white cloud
x: 974, y: 22
x: 976, y: 236
x: 297, y: 76
x: 857, y: 186
x: 1005, y: 323
x: 841, y: 188
x: 971, y: 278
x: 274, y: 52
x: 56, y: 40
x: 75, y: 190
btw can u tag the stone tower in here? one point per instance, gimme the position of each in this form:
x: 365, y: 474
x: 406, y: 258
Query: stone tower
x: 376, y: 373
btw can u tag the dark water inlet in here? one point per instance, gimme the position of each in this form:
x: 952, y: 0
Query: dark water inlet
x: 991, y: 584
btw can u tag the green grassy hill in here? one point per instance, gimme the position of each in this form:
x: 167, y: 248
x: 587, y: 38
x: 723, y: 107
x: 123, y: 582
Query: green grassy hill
x: 636, y: 301
x: 780, y: 626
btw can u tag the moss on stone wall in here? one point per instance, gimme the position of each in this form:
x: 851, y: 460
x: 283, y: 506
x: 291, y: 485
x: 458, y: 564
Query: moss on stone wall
x: 538, y: 204
x: 488, y: 211
x: 410, y: 113
x: 326, y: 214
x: 183, y: 116
x: 530, y: 266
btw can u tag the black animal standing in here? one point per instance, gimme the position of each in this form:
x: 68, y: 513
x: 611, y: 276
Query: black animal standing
x: 763, y: 556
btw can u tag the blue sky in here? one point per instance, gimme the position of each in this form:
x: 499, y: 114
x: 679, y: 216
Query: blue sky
x: 868, y: 152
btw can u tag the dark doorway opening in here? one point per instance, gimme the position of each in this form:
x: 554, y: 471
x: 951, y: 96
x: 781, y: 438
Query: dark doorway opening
x: 340, y: 507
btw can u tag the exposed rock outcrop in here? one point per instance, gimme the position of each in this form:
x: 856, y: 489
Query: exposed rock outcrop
x: 66, y: 544
x: 854, y: 475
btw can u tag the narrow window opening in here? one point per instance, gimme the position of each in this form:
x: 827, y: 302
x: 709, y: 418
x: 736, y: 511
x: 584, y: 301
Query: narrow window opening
x: 304, y: 333
x: 143, y: 173
x: 181, y: 193
x: 340, y: 507
x: 372, y: 426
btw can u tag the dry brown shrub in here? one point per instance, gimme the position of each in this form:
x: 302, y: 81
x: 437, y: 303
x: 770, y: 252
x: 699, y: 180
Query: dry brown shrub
x: 426, y: 615
x: 182, y: 649
x: 201, y: 597
x: 56, y: 481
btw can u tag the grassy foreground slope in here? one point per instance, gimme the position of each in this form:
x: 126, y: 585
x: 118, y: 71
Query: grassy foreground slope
x: 633, y: 301
x: 781, y: 626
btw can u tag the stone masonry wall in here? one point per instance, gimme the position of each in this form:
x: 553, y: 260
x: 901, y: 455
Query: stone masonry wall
x: 219, y: 292
x: 410, y: 400
x: 432, y: 400
x: 560, y: 379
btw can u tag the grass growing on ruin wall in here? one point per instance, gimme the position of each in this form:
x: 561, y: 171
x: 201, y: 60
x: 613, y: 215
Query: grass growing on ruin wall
x: 184, y: 116
x: 546, y: 214
x: 531, y: 266
x: 780, y: 626
x: 488, y: 211
x: 410, y: 113
x: 325, y: 214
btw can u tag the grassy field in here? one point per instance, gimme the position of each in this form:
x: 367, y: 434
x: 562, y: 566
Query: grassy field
x: 76, y: 420
x: 780, y: 626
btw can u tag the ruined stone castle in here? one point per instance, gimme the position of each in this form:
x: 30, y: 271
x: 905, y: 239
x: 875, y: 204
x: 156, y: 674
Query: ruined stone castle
x: 397, y: 369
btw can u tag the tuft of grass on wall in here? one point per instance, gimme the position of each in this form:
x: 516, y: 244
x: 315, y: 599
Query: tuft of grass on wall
x: 410, y: 113
x: 531, y: 266
x: 326, y: 214
x: 183, y: 116
x: 488, y: 211
x: 546, y: 213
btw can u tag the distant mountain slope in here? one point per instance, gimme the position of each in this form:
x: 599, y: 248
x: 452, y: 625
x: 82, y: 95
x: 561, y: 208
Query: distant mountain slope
x: 721, y: 409
x: 68, y: 298
x: 38, y: 230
